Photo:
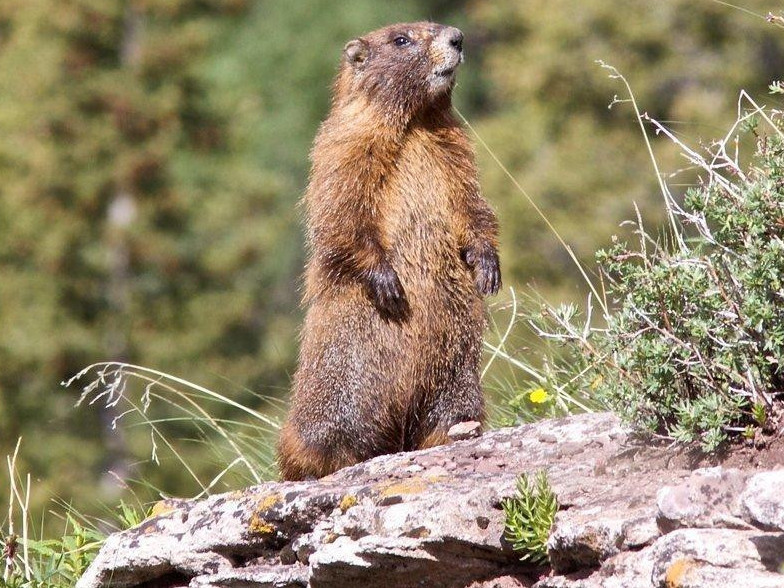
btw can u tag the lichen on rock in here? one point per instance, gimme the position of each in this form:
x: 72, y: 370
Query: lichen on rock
x: 632, y: 515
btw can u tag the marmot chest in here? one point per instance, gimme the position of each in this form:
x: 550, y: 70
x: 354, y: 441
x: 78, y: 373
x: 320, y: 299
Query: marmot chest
x: 421, y: 207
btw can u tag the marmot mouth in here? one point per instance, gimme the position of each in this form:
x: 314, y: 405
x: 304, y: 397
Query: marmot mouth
x: 445, y: 73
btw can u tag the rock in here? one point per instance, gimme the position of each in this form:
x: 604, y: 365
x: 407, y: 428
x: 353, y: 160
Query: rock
x: 585, y: 538
x: 710, y: 497
x: 763, y: 499
x: 254, y: 575
x: 502, y: 582
x: 631, y: 515
x: 692, y: 574
x: 625, y: 570
x: 679, y: 556
x: 464, y: 430
x: 443, y: 562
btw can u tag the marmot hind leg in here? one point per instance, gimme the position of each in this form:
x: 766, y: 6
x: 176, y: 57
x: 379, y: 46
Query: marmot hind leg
x: 457, y: 401
x: 437, y: 435
x: 299, y: 460
x: 343, y: 408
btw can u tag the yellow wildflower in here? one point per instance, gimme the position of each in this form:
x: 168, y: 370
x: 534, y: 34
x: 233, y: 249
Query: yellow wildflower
x: 539, y: 396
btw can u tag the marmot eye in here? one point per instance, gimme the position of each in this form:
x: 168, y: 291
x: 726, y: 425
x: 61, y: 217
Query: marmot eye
x: 401, y: 41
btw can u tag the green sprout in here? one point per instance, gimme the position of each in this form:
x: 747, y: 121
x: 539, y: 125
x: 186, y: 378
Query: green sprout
x: 529, y: 517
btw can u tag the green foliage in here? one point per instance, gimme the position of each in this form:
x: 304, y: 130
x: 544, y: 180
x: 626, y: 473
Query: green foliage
x: 530, y: 514
x: 58, y: 562
x: 110, y: 244
x: 43, y: 562
x: 52, y: 562
x: 698, y: 338
x: 694, y: 337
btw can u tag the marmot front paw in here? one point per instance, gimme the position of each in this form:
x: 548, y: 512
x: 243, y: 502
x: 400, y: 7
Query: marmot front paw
x: 487, y: 269
x: 387, y: 293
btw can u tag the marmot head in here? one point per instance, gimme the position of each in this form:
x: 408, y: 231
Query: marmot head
x: 402, y: 68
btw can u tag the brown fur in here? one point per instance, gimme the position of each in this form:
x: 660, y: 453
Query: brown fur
x: 402, y: 248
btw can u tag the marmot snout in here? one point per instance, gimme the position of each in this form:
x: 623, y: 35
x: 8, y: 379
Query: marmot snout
x: 446, y: 53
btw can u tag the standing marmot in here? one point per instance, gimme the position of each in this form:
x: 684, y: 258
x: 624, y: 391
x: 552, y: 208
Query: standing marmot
x: 402, y: 248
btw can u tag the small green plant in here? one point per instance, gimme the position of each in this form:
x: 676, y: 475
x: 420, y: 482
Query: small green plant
x: 60, y: 561
x: 529, y: 517
x: 42, y: 563
x: 760, y: 415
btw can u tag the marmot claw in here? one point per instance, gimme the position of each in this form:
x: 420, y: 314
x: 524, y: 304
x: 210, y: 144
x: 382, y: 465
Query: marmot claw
x: 487, y: 268
x: 387, y: 294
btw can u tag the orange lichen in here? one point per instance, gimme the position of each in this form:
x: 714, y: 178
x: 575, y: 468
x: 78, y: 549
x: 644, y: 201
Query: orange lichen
x: 260, y: 526
x: 410, y: 486
x: 347, y: 502
x: 677, y: 572
x: 258, y: 523
x: 267, y: 502
x: 163, y: 507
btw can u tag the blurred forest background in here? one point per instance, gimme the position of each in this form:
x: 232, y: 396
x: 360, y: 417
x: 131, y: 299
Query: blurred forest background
x: 152, y: 153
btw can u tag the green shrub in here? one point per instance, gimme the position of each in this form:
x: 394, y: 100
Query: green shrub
x: 692, y: 345
x: 697, y: 341
x: 529, y: 517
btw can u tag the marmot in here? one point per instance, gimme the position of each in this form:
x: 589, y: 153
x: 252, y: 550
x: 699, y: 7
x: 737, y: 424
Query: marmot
x: 402, y: 247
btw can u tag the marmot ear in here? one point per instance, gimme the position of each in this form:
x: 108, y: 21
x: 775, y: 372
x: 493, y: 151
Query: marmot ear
x: 357, y: 52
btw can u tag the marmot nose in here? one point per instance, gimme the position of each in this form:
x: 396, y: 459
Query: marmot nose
x: 455, y: 37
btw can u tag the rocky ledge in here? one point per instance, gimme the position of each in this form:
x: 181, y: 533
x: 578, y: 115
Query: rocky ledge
x: 631, y: 515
